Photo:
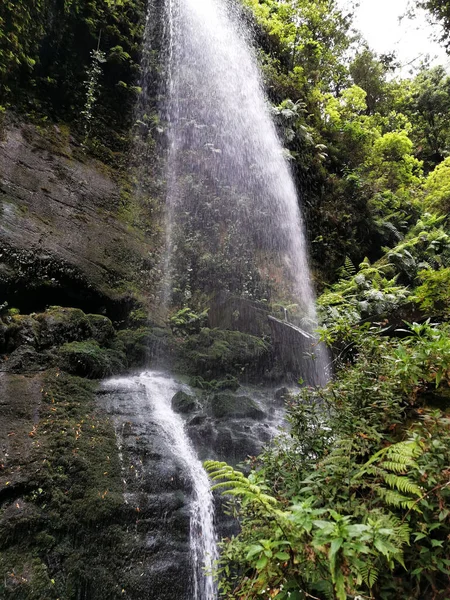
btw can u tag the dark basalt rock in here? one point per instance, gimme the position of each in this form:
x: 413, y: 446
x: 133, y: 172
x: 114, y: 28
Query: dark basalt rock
x: 184, y: 403
x: 157, y: 494
x: 282, y: 395
x: 226, y: 405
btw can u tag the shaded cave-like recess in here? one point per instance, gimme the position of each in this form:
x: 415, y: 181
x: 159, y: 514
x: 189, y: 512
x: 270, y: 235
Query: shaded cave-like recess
x: 37, y: 298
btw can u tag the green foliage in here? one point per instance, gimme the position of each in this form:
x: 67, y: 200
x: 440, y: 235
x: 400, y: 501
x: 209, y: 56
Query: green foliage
x: 354, y: 500
x: 50, y: 55
x: 392, y: 164
x: 89, y: 359
x: 92, y: 90
x: 437, y: 188
x: 433, y: 295
x: 186, y: 321
x: 425, y: 100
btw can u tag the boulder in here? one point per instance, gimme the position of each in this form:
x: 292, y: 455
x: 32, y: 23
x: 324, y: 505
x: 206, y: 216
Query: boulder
x: 229, y: 406
x: 184, y: 403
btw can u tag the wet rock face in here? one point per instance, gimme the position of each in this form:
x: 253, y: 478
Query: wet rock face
x: 62, y: 233
x: 157, y: 499
x: 229, y: 406
x: 155, y: 482
x: 184, y: 403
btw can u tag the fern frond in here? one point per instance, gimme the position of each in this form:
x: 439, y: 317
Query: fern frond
x: 396, y: 499
x: 403, y: 484
x: 369, y: 574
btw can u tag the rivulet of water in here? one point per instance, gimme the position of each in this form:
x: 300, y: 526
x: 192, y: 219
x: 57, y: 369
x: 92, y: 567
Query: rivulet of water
x: 160, y: 388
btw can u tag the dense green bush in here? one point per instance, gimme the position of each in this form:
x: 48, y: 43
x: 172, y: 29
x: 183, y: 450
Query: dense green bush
x: 355, y: 500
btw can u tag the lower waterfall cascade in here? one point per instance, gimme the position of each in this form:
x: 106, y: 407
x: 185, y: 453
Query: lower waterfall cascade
x: 159, y: 389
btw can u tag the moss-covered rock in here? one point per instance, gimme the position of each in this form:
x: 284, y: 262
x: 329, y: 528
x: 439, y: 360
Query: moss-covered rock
x: 25, y: 359
x: 102, y: 330
x: 18, y: 330
x: 144, y: 344
x: 184, y: 403
x: 229, y: 406
x: 59, y: 325
x: 62, y: 527
x: 89, y: 359
x: 215, y: 352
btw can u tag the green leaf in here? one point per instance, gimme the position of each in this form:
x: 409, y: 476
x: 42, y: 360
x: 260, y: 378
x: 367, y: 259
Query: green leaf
x: 253, y: 550
x: 334, y: 548
x: 282, y: 555
x: 262, y: 563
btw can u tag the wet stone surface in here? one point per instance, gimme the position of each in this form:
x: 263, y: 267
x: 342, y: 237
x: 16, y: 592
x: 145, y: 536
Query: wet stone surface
x: 156, y: 484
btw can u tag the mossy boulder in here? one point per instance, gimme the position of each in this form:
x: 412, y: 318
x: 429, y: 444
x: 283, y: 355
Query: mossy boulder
x: 144, y: 344
x: 59, y: 325
x: 26, y: 359
x: 102, y: 330
x: 184, y: 403
x: 89, y: 359
x: 19, y: 330
x: 216, y: 352
x: 224, y: 405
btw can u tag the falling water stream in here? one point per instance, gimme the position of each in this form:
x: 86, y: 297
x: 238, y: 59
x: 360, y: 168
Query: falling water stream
x: 156, y: 407
x: 224, y: 147
x: 160, y: 389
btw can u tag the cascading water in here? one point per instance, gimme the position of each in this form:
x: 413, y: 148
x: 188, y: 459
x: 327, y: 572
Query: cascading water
x: 155, y: 407
x: 160, y: 388
x: 228, y: 179
x: 233, y: 222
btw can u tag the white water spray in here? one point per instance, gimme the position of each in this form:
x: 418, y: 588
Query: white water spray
x: 228, y: 179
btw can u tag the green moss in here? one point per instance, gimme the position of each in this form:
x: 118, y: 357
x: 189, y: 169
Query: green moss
x: 102, y: 329
x: 144, y: 344
x: 59, y: 325
x: 64, y: 537
x: 228, y: 383
x: 138, y: 317
x: 89, y: 359
x: 214, y: 352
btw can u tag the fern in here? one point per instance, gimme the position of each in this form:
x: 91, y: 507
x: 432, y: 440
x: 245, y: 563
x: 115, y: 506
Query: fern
x: 368, y: 572
x: 348, y: 269
x: 387, y: 474
x: 237, y: 484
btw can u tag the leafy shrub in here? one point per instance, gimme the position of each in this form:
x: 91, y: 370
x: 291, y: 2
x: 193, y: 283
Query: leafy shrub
x: 433, y: 295
x: 355, y: 500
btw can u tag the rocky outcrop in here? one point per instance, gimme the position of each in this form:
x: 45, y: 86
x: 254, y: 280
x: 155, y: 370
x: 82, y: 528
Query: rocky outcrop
x: 68, y: 232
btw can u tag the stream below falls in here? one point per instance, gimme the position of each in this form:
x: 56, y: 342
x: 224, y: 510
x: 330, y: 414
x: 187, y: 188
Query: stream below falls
x: 176, y: 519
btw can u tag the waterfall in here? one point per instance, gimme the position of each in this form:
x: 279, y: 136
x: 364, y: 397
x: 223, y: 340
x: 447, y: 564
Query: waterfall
x: 233, y: 221
x: 155, y: 407
x: 233, y: 218
x: 160, y: 389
